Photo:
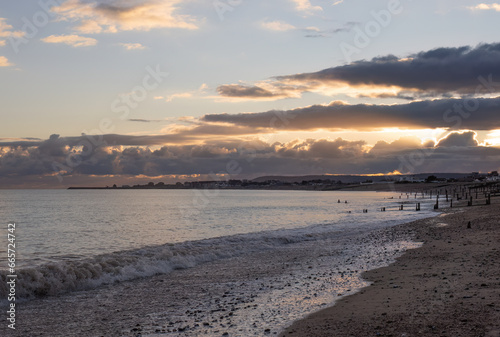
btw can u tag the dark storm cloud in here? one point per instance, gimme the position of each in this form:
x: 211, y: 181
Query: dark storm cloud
x: 440, y: 70
x: 475, y: 114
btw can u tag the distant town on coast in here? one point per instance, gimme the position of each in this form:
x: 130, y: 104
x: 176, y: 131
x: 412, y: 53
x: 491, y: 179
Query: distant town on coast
x: 316, y: 182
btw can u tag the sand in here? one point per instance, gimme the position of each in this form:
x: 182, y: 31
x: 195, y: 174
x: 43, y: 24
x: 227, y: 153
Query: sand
x: 448, y: 287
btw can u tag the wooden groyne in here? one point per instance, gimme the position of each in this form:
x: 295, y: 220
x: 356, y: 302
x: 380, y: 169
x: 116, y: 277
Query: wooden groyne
x: 446, y: 196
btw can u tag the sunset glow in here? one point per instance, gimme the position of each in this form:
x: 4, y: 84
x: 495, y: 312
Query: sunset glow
x: 176, y: 90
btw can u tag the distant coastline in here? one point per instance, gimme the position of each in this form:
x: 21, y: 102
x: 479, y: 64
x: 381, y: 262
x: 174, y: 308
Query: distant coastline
x: 322, y: 182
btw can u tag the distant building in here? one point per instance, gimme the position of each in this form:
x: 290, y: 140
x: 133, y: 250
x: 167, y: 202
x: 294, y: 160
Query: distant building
x: 410, y: 179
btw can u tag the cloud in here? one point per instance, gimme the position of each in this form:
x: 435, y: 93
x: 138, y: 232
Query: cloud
x: 170, y: 98
x: 264, y: 91
x: 314, y: 32
x: 277, y: 26
x: 200, y: 92
x: 101, y: 140
x: 4, y: 62
x: 474, y: 114
x: 493, y: 138
x: 311, y: 31
x: 306, y: 7
x: 493, y: 6
x: 399, y: 145
x: 132, y: 46
x: 464, y: 138
x: 177, y: 134
x: 140, y: 120
x: 441, y: 72
x: 6, y: 32
x: 244, y: 92
x: 337, y: 2
x: 54, y: 156
x: 212, y: 156
x: 113, y: 16
x: 71, y: 40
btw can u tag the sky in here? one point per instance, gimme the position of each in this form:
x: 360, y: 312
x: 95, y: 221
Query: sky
x: 96, y: 92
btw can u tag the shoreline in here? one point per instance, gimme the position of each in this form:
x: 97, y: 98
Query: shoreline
x: 229, y: 293
x: 448, y: 287
x: 233, y: 284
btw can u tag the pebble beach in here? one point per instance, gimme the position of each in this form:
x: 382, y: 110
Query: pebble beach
x: 448, y: 287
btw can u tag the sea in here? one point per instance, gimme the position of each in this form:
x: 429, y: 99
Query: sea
x: 73, y: 241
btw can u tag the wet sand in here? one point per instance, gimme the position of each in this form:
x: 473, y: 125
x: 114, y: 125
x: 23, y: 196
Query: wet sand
x: 257, y: 294
x: 448, y: 287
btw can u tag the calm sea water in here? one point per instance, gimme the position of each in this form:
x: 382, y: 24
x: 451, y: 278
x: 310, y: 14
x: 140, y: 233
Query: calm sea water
x: 55, y: 225
x: 71, y: 240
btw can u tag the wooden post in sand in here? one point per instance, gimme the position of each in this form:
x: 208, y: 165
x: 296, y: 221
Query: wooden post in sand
x: 451, y: 204
x: 446, y: 195
x: 488, y: 201
x: 436, y: 206
x: 418, y: 207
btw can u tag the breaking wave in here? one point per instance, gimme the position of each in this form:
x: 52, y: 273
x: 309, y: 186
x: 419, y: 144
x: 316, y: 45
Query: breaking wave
x: 73, y: 275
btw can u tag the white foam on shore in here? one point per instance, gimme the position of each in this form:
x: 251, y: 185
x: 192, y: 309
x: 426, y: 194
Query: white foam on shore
x: 266, y: 305
x: 73, y: 275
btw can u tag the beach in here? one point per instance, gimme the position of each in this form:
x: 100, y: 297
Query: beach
x: 448, y: 287
x: 240, y: 284
x: 358, y: 282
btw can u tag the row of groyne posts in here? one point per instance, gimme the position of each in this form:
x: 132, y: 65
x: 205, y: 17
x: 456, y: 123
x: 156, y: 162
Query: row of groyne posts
x: 473, y: 194
x: 454, y: 194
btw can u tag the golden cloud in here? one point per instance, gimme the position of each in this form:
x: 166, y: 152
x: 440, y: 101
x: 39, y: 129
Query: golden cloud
x: 112, y: 17
x: 306, y: 6
x: 132, y: 46
x: 6, y: 32
x: 493, y: 6
x: 278, y: 26
x: 4, y: 62
x: 71, y: 40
